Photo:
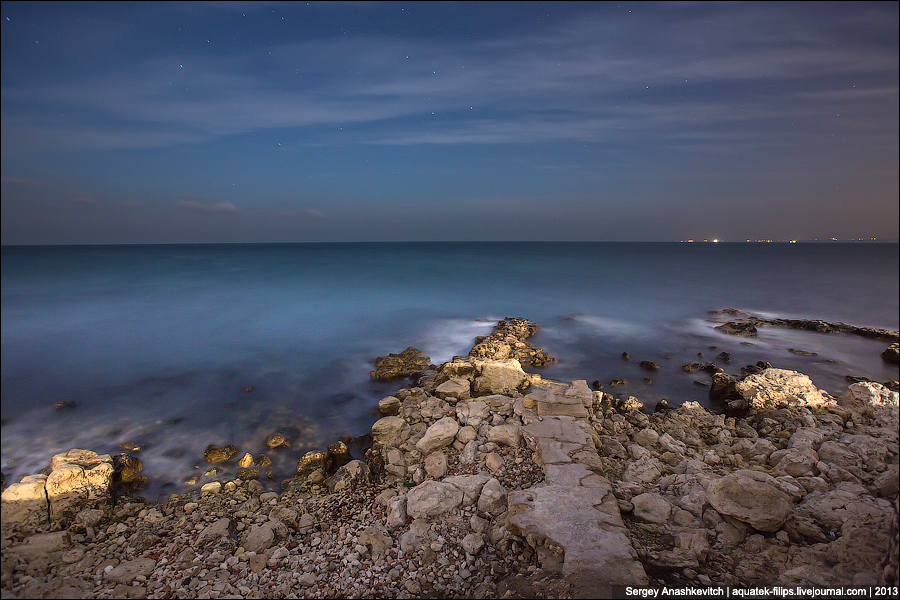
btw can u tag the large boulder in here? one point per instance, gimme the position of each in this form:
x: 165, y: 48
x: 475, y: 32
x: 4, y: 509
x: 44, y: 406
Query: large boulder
x: 79, y: 479
x: 441, y: 433
x: 780, y: 388
x: 390, y: 431
x: 432, y: 498
x: 454, y: 390
x: 504, y: 377
x: 744, y: 497
x: 25, y: 504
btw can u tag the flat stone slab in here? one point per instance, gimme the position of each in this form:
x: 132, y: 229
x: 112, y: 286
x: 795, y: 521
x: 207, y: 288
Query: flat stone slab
x: 577, y: 530
x: 572, y: 520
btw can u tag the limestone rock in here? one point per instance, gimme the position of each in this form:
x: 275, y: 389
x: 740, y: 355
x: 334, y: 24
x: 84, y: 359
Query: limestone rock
x: 504, y: 435
x: 504, y: 377
x: 454, y: 390
x: 441, y: 433
x: 741, y: 496
x: 25, y: 504
x: 432, y: 498
x: 779, y: 388
x: 389, y: 406
x: 353, y: 474
x: 436, y: 464
x: 651, y: 508
x: 493, y: 498
x: 80, y: 479
x: 390, y: 431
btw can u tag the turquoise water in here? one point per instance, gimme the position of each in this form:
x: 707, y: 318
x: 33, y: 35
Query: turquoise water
x: 157, y: 344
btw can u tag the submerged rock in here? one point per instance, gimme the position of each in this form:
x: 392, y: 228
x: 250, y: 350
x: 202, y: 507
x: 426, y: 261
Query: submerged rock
x: 214, y: 454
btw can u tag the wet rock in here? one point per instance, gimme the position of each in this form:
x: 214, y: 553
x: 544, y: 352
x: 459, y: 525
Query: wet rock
x: 314, y: 460
x: 214, y: 454
x: 339, y: 453
x: 389, y: 406
x: 395, y: 366
x: 892, y: 353
x: 739, y: 328
x: 650, y: 366
x: 65, y: 405
x: 278, y: 440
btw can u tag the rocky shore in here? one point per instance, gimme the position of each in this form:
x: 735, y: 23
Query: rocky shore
x: 487, y: 481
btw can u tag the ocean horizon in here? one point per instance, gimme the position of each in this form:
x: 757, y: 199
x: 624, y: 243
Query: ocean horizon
x: 158, y: 344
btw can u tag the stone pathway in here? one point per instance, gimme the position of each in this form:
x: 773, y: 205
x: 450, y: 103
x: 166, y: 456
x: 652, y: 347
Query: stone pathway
x: 572, y: 519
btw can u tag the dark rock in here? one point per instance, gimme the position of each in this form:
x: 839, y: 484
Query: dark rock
x: 277, y: 440
x: 856, y: 379
x: 127, y: 467
x: 724, y: 388
x: 724, y: 356
x: 394, y: 366
x: 648, y: 381
x: 339, y: 453
x: 616, y: 382
x: 597, y: 385
x: 132, y: 447
x: 892, y: 353
x: 625, y: 356
x: 315, y: 460
x: 263, y: 460
x: 741, y: 328
x: 662, y: 405
x: 801, y: 352
x: 700, y: 355
x: 759, y: 367
x: 247, y: 474
x: 212, y: 454
x: 650, y: 366
x: 65, y: 405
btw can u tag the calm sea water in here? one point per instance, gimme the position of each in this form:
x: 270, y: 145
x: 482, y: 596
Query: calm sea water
x: 157, y: 344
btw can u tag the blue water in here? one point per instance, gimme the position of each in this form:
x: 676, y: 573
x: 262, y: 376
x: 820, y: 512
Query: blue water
x: 157, y: 344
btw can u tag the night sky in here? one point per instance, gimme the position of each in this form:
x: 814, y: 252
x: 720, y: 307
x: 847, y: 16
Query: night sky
x: 267, y: 122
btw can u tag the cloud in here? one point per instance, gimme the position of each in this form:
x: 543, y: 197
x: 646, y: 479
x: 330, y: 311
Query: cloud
x: 227, y: 207
x: 687, y: 67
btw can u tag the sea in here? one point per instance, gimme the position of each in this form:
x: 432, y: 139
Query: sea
x: 176, y: 347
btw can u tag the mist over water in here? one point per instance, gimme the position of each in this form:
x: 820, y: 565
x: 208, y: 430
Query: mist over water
x: 157, y: 344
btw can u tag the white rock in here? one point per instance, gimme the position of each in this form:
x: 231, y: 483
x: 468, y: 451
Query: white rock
x: 441, y: 433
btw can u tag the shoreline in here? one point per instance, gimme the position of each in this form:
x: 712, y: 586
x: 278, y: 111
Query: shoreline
x: 198, y: 543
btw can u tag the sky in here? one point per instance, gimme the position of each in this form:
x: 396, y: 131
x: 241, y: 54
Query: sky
x: 366, y: 121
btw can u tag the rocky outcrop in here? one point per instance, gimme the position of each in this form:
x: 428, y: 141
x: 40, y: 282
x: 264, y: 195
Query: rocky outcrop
x: 747, y: 326
x: 396, y: 366
x: 509, y: 340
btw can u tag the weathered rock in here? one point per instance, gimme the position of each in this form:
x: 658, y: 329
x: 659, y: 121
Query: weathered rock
x: 377, y: 538
x: 436, y: 464
x: 493, y: 498
x: 651, y: 508
x: 892, y: 353
x: 394, y: 366
x: 454, y: 390
x: 504, y: 377
x: 390, y: 431
x: 79, y: 479
x: 220, y: 532
x: 354, y: 474
x: 25, y: 504
x: 213, y: 454
x: 741, y: 496
x: 504, y: 435
x: 739, y: 328
x: 277, y: 440
x: 389, y: 406
x: 441, y: 433
x: 314, y: 460
x: 779, y: 388
x: 432, y: 498
x: 339, y: 453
